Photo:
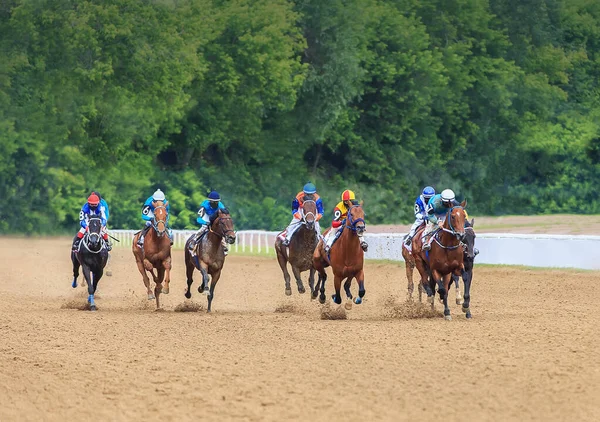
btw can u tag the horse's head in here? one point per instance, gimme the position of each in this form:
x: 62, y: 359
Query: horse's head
x: 309, y: 211
x: 455, y: 221
x: 356, y: 218
x: 94, y: 231
x: 223, y: 226
x: 159, y: 221
x: 469, y: 239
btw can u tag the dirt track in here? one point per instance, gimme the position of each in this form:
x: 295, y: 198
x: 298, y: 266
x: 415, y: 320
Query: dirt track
x: 530, y: 352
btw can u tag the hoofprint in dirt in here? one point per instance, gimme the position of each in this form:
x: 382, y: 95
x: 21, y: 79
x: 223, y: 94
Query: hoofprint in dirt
x: 529, y: 353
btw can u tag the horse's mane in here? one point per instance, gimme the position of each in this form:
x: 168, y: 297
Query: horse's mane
x: 354, y: 202
x: 468, y: 223
x: 309, y: 197
x: 224, y: 211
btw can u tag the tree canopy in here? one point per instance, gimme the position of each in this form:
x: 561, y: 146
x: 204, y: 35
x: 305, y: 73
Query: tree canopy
x: 497, y: 99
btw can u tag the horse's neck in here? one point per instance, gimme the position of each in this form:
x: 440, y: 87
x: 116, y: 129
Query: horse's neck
x: 350, y: 241
x: 212, y: 239
x: 448, y: 239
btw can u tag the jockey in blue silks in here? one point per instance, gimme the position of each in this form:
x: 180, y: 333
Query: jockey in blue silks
x: 420, y: 205
x: 91, y: 207
x: 148, y: 214
x: 207, y: 212
x: 436, y: 210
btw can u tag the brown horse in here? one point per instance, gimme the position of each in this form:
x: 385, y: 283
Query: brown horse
x: 302, y: 246
x: 409, y: 261
x: 208, y: 256
x: 445, y: 257
x: 346, y: 258
x: 156, y: 253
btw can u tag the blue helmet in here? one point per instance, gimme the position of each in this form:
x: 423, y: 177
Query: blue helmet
x: 428, y: 192
x: 309, y: 188
x: 214, y: 196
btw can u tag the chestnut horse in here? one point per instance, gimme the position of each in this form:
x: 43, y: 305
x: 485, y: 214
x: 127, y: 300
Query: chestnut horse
x: 409, y: 262
x: 156, y: 253
x: 208, y: 256
x: 445, y: 257
x: 302, y: 247
x: 346, y: 258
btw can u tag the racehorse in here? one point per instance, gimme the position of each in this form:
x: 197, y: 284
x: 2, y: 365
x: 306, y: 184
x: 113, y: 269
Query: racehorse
x: 156, y: 253
x: 467, y: 275
x: 208, y: 256
x: 409, y: 261
x: 92, y: 256
x: 445, y: 257
x: 302, y: 246
x: 346, y: 258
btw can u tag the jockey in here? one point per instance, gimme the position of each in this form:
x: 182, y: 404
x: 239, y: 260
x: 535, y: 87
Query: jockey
x: 148, y: 213
x: 309, y: 192
x: 208, y: 210
x: 420, y: 205
x: 340, y: 212
x: 91, y: 207
x: 436, y: 209
x: 103, y: 206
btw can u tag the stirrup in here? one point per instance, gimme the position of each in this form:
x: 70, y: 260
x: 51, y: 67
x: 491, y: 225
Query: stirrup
x: 408, y: 240
x: 285, y: 242
x: 427, y: 247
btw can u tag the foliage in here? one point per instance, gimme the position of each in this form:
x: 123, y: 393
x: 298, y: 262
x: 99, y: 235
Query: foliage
x: 497, y: 99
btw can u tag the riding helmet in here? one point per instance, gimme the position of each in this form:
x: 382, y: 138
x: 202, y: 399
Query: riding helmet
x: 158, y: 195
x: 309, y: 188
x: 428, y: 192
x: 93, y: 200
x: 348, y: 195
x: 448, y: 195
x: 214, y: 196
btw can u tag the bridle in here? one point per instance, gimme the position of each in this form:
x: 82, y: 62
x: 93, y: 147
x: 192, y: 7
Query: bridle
x: 156, y: 222
x: 220, y: 220
x: 452, y: 231
x: 351, y: 222
x: 93, y: 235
x: 306, y: 214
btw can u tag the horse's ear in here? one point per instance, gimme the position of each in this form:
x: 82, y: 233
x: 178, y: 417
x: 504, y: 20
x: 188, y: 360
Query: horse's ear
x: 464, y: 203
x: 361, y: 203
x: 472, y: 222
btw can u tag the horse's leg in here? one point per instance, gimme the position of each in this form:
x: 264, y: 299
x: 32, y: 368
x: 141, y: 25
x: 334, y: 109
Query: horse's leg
x: 204, y: 271
x: 213, y: 282
x: 87, y: 274
x: 337, y: 284
x: 411, y: 284
x: 189, y: 271
x: 467, y: 278
x: 322, y: 280
x: 160, y: 275
x: 76, y: 265
x: 311, y: 283
x: 282, y: 259
x: 360, y: 277
x: 347, y: 284
x: 443, y: 288
x: 167, y: 278
x: 459, y: 298
x: 146, y: 279
x: 298, y: 278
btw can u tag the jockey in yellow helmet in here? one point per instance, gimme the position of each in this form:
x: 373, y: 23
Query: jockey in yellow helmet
x: 340, y: 212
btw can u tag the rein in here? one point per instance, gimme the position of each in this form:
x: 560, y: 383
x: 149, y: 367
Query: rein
x: 304, y: 215
x: 451, y: 231
x: 221, y: 223
x: 85, y: 239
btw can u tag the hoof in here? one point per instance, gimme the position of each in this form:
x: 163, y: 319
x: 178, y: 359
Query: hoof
x: 288, y: 292
x: 348, y: 304
x: 322, y: 299
x: 358, y: 300
x: 188, y: 295
x: 165, y: 291
x: 314, y: 295
x: 468, y: 315
x: 448, y: 318
x: 93, y: 308
x: 109, y: 273
x: 465, y: 310
x: 459, y: 301
x: 74, y: 283
x: 151, y: 297
x: 301, y: 290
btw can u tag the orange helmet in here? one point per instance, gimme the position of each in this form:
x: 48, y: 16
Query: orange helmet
x: 93, y: 200
x: 348, y: 195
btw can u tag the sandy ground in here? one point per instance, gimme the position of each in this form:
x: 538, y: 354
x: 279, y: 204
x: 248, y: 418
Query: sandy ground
x: 529, y: 353
x: 538, y: 224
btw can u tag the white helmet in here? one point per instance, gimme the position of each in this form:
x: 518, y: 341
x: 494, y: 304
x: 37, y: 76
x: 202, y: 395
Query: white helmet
x: 158, y: 195
x: 448, y: 195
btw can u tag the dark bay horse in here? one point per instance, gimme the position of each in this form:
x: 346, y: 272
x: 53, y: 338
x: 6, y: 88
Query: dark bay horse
x: 302, y: 246
x: 209, y: 257
x: 92, y: 256
x: 346, y: 258
x: 156, y: 253
x: 467, y: 275
x: 445, y: 257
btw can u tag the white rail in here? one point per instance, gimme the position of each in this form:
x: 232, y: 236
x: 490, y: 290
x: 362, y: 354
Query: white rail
x: 564, y: 251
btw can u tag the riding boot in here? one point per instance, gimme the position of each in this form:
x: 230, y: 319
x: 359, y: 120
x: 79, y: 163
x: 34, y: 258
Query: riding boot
x: 76, y: 244
x: 408, y: 240
x: 140, y: 241
x: 363, y: 244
